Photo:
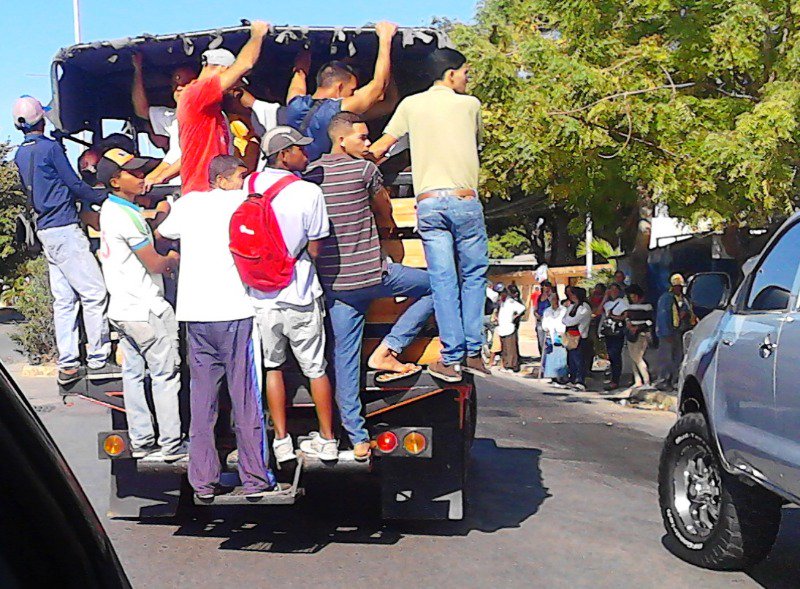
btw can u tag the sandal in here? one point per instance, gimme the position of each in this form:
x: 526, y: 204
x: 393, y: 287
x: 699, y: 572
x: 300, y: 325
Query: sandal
x: 389, y: 376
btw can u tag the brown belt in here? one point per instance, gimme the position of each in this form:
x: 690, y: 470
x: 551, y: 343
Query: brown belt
x: 465, y: 193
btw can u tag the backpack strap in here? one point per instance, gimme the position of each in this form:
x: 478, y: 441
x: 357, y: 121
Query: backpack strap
x: 306, y: 122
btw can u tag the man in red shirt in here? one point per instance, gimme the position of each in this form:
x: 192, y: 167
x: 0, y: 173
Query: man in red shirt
x: 201, y: 126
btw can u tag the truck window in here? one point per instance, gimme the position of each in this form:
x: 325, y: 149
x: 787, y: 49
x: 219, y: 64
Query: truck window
x: 773, y: 283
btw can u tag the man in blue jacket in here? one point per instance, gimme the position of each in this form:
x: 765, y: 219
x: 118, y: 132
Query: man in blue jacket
x: 53, y: 188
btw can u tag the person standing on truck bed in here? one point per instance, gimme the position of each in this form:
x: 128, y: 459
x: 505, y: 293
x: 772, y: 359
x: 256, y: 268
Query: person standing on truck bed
x: 201, y: 125
x: 294, y: 316
x: 337, y: 91
x: 444, y: 129
x: 353, y: 272
x: 219, y: 318
x: 148, y: 329
x: 53, y: 188
x: 163, y: 120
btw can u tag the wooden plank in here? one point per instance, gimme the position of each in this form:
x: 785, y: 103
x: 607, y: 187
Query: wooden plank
x: 408, y: 252
x: 404, y: 211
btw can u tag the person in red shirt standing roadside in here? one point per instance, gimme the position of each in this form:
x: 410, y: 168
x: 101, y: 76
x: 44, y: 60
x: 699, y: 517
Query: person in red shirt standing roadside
x: 201, y: 125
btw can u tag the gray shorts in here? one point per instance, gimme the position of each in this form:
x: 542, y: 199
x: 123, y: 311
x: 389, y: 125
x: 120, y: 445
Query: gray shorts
x: 302, y: 329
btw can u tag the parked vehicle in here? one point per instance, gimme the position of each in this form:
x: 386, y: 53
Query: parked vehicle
x: 421, y: 429
x: 733, y: 458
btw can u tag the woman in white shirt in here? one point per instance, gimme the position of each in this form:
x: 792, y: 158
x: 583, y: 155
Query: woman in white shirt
x: 510, y: 309
x: 612, y: 329
x: 577, y: 320
x: 554, y: 360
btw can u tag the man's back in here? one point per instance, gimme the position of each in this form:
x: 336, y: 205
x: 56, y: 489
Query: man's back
x: 302, y: 216
x: 350, y: 258
x: 52, y: 201
x: 209, y: 287
x: 444, y: 129
x: 203, y: 131
x: 311, y: 117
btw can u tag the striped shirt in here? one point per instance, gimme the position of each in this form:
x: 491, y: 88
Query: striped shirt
x: 350, y: 258
x: 641, y: 315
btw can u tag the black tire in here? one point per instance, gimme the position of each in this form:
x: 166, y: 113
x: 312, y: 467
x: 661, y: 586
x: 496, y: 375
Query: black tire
x: 747, y: 517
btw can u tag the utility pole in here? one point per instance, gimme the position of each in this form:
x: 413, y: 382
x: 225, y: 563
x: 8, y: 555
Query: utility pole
x: 76, y: 19
x: 589, y: 237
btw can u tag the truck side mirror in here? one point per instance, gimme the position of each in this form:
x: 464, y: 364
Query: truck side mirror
x: 708, y: 291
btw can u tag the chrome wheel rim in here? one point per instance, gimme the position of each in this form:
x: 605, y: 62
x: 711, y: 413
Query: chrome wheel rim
x: 697, y: 492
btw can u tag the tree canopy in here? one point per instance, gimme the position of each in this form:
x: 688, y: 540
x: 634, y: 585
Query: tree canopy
x: 598, y: 104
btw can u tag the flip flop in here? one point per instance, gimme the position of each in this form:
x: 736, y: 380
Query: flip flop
x: 388, y: 376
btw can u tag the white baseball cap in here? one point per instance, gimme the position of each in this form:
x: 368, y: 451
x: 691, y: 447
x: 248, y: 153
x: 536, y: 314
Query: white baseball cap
x: 27, y: 111
x: 220, y: 56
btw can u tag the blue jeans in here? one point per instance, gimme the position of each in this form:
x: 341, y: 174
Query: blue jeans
x: 454, y: 236
x: 77, y: 285
x: 614, y: 345
x: 576, y: 363
x: 348, y: 311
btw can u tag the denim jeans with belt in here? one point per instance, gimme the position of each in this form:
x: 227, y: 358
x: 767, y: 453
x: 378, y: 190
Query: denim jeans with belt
x: 453, y: 233
x: 348, y: 310
x: 77, y: 285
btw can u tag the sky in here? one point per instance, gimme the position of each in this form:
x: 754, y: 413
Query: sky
x: 32, y: 34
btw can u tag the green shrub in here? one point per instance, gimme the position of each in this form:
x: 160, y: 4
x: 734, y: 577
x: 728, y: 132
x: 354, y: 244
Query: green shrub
x: 30, y: 295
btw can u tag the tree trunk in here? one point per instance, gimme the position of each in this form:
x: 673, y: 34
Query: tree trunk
x: 562, y: 251
x: 641, y: 243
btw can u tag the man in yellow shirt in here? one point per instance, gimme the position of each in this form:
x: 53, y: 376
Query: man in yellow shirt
x: 444, y: 129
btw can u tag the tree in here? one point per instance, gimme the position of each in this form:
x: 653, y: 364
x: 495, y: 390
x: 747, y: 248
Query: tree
x: 12, y: 203
x: 608, y: 107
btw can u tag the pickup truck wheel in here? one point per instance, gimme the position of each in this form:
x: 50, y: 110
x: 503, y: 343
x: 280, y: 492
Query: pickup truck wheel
x: 713, y: 519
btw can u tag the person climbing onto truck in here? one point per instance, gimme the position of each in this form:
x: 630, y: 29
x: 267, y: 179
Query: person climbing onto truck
x: 353, y: 272
x: 202, y: 128
x: 219, y: 317
x: 76, y: 282
x: 444, y: 129
x: 145, y: 320
x: 337, y: 91
x: 163, y: 120
x: 294, y: 316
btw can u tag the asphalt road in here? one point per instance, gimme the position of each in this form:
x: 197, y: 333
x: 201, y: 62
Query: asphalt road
x: 563, y: 494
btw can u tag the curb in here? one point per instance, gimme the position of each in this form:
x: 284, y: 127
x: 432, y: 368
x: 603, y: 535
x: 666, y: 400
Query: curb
x: 40, y: 370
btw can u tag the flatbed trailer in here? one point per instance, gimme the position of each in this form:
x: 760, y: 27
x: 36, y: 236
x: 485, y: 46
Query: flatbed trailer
x: 421, y: 429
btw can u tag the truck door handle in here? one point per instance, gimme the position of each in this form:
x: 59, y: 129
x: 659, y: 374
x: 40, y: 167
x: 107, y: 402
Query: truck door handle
x: 727, y: 342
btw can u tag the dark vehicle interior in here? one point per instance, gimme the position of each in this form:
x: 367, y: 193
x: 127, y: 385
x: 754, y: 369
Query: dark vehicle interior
x: 49, y: 534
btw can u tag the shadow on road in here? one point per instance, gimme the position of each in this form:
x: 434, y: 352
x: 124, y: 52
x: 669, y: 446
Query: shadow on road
x: 505, y: 488
x: 781, y: 569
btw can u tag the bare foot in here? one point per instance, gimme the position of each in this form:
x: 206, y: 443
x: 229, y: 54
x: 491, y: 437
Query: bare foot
x: 384, y: 359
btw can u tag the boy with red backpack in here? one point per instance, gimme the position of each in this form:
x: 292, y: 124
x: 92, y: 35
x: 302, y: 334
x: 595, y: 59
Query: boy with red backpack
x: 272, y: 236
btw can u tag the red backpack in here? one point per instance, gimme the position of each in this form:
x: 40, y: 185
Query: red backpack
x: 256, y: 240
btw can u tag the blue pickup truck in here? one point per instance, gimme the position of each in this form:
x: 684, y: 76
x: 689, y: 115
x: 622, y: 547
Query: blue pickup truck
x: 732, y: 460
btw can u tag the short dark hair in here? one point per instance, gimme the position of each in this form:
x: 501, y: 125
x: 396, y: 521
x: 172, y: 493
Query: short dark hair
x: 342, y: 120
x: 334, y: 72
x: 546, y: 283
x: 441, y: 61
x: 223, y: 165
x: 635, y: 289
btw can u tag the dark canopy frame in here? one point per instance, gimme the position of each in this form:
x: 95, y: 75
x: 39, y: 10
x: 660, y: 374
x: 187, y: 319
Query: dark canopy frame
x: 92, y: 82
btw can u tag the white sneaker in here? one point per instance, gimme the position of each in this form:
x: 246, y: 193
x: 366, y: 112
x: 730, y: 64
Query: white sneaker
x: 283, y: 449
x: 320, y: 447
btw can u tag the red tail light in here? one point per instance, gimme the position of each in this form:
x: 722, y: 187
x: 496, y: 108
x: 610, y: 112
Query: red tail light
x: 387, y: 442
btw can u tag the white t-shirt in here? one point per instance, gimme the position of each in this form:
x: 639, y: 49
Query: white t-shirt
x: 553, y: 321
x: 302, y: 216
x: 133, y: 291
x: 509, y: 310
x: 265, y: 118
x: 617, y: 307
x: 209, y: 287
x: 164, y: 121
x: 581, y: 319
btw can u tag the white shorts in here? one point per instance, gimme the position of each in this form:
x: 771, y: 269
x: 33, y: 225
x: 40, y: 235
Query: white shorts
x: 302, y: 328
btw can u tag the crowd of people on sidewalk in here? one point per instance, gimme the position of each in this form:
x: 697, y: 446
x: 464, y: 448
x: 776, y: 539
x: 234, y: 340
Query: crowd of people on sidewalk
x: 575, y: 332
x: 323, y: 198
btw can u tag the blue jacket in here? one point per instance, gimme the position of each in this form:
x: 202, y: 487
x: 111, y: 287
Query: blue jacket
x: 51, y: 183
